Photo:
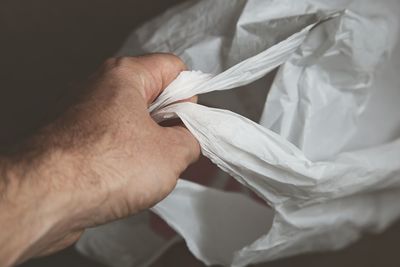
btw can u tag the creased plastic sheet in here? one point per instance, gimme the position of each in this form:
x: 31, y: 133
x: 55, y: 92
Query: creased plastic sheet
x: 326, y: 154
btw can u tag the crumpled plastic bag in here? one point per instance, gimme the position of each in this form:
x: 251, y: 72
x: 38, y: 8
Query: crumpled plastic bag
x: 325, y: 156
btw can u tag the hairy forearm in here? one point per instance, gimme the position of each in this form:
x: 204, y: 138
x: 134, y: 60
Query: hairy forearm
x: 29, y: 207
x: 18, y: 226
x: 44, y: 200
x: 43, y: 185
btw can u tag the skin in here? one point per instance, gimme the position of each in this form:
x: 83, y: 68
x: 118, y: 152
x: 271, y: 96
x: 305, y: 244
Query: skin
x: 102, y: 160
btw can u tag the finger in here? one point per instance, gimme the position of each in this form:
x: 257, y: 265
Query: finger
x: 152, y: 73
x: 183, y: 148
x: 193, y: 99
x: 162, y: 69
x: 177, y: 121
x: 188, y: 148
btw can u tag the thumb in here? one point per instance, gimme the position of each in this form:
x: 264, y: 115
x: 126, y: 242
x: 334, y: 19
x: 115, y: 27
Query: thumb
x: 157, y: 71
x: 183, y: 148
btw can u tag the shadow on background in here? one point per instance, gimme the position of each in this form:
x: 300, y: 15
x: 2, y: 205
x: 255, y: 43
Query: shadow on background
x: 47, y: 46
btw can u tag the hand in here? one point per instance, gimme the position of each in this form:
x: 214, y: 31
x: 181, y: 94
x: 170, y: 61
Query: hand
x: 104, y: 159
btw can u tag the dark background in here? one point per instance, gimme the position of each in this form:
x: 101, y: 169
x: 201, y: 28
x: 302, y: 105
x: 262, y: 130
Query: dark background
x: 47, y: 46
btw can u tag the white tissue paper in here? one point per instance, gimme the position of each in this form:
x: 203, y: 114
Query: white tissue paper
x: 325, y: 155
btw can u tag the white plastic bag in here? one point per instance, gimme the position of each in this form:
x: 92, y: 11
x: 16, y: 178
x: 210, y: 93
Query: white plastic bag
x: 326, y: 154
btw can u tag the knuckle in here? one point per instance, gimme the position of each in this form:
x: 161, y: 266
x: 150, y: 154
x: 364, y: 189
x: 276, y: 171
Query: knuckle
x: 178, y: 61
x: 109, y: 62
x: 172, y: 60
x: 117, y: 67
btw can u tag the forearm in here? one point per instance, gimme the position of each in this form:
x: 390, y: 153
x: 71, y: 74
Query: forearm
x: 44, y: 202
x: 29, y: 208
x: 17, y: 224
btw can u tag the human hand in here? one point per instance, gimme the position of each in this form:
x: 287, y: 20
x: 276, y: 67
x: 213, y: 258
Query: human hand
x: 104, y: 159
